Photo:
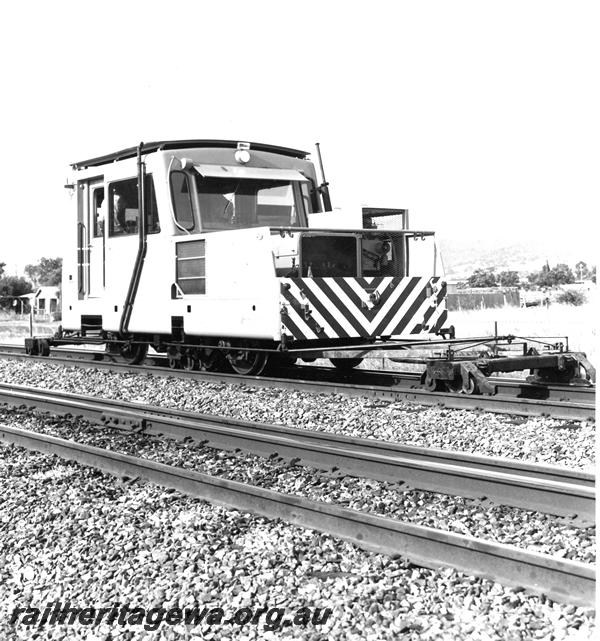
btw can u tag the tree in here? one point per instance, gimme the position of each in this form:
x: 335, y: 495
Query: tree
x: 583, y: 272
x: 11, y: 287
x: 483, y: 278
x: 560, y: 274
x: 47, y: 272
x: 581, y: 269
x: 508, y: 279
x: 2, y: 266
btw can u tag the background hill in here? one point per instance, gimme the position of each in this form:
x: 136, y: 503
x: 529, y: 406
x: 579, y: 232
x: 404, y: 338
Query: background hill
x: 461, y: 257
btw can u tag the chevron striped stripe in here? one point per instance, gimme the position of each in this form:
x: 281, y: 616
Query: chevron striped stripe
x: 325, y: 308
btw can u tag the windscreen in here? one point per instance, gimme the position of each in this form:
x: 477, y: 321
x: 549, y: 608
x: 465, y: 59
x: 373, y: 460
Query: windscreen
x: 227, y: 203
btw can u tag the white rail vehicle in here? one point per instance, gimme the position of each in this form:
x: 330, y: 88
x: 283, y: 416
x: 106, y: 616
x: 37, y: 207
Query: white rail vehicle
x: 205, y: 248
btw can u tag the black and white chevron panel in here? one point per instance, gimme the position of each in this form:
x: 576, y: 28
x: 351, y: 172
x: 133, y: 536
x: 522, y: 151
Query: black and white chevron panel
x: 322, y: 308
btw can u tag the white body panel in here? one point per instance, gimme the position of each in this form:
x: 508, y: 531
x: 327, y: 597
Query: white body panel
x: 242, y: 294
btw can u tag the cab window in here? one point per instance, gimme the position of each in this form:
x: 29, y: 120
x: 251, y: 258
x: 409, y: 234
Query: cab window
x: 227, y: 203
x: 124, y: 208
x: 152, y: 222
x: 97, y: 217
x: 182, y: 201
x: 309, y: 197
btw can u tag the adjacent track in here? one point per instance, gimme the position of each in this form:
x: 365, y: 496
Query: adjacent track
x: 561, y: 580
x: 514, y: 396
x: 551, y: 489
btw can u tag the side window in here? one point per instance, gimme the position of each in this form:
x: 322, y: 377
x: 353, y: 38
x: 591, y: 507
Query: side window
x: 182, y: 200
x: 152, y: 223
x: 123, y: 208
x: 97, y: 211
x: 306, y: 198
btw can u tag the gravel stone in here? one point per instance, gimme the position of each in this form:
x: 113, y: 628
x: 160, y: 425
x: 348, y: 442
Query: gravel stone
x: 537, y: 439
x: 530, y: 530
x: 72, y: 533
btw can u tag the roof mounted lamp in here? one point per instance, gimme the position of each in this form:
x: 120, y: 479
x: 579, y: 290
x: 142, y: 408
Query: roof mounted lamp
x: 242, y: 154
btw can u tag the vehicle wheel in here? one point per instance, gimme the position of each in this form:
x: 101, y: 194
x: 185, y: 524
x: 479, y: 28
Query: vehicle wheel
x: 345, y: 364
x: 174, y: 362
x: 134, y: 353
x: 470, y: 386
x: 455, y: 385
x: 190, y: 362
x: 248, y: 363
x: 212, y: 361
x: 431, y: 384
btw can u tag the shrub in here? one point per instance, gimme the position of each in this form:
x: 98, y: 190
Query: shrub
x: 571, y: 297
x: 483, y: 278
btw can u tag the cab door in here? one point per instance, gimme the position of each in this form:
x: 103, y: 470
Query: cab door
x: 97, y: 244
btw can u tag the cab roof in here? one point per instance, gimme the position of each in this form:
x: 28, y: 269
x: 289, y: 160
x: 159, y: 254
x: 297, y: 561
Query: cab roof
x: 149, y: 147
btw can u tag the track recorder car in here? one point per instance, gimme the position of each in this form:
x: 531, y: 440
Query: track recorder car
x: 207, y: 250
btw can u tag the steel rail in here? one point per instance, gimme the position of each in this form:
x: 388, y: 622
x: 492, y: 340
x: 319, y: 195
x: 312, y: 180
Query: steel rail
x: 388, y: 378
x: 328, y: 375
x: 390, y: 386
x: 559, y: 579
x: 543, y: 488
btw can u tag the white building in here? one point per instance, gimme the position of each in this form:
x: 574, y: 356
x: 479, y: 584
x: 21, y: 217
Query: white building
x: 45, y: 301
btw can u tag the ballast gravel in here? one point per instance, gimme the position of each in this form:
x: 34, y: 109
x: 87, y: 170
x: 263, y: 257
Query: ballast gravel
x: 70, y: 533
x: 530, y: 530
x: 537, y: 439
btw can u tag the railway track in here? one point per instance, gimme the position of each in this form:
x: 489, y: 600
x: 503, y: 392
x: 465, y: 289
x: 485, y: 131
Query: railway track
x: 514, y: 396
x: 543, y: 488
x: 562, y: 580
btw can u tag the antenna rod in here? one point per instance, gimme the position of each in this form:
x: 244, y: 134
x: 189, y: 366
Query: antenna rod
x: 324, y: 187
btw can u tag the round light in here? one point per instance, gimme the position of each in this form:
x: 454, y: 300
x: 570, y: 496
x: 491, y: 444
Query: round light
x: 242, y: 155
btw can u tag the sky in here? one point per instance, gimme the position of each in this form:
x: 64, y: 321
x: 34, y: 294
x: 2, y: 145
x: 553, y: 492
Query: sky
x: 479, y: 117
